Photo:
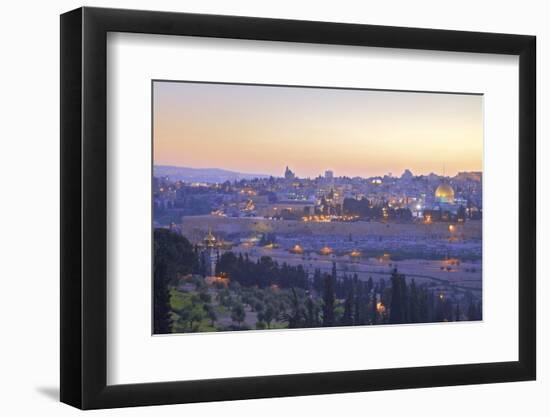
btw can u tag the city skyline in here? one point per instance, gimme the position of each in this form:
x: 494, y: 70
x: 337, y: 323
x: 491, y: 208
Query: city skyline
x: 257, y: 129
x: 281, y: 173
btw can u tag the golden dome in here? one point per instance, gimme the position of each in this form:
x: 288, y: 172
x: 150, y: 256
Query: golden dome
x: 444, y: 193
x: 210, y: 239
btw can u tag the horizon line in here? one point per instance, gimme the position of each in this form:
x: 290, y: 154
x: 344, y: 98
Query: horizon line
x: 318, y: 175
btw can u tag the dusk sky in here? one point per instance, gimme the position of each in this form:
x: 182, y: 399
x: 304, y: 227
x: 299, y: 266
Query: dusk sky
x: 262, y: 129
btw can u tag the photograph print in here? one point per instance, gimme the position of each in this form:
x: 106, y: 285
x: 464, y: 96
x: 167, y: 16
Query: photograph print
x: 291, y: 207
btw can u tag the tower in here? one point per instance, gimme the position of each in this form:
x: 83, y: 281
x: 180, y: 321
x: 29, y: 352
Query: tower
x: 210, y: 253
x: 289, y: 175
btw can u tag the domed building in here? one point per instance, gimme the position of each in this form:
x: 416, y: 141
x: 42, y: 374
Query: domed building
x: 445, y: 206
x: 209, y: 240
x: 445, y: 194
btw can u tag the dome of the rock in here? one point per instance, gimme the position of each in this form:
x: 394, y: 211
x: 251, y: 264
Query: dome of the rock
x: 444, y: 193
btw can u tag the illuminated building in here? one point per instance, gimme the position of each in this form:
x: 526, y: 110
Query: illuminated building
x: 210, y: 253
x: 325, y: 250
x: 297, y: 249
x: 445, y: 207
x: 444, y: 194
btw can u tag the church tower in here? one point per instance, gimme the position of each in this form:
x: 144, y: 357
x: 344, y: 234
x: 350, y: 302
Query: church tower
x: 210, y: 253
x: 289, y: 175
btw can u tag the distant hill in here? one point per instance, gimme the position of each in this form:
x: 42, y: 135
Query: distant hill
x: 212, y: 175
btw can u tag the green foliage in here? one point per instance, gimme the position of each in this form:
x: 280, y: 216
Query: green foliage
x: 191, y: 313
x: 329, y: 282
x: 238, y: 314
x: 330, y: 300
x: 262, y: 273
x: 173, y: 256
x: 268, y: 314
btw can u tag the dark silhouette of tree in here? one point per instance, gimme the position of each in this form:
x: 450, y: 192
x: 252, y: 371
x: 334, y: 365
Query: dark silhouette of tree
x: 238, y: 314
x: 295, y: 317
x: 262, y: 273
x: 312, y: 313
x: 317, y: 281
x: 173, y: 256
x: 360, y: 302
x: 381, y: 286
x: 423, y: 312
x: 474, y: 311
x: 370, y: 285
x: 328, y: 299
x: 397, y: 309
x: 373, y: 309
x: 444, y: 309
x: 267, y: 314
x: 347, y: 317
x: 479, y: 310
x: 211, y: 313
x: 414, y: 303
x: 366, y: 210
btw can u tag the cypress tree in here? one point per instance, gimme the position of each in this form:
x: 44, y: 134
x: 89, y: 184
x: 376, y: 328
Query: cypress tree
x: 173, y: 256
x: 373, y: 311
x: 347, y: 317
x: 328, y: 301
x: 414, y: 304
x: 396, y: 309
x: 357, y: 301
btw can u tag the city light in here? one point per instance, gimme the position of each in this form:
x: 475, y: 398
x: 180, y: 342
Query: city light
x: 297, y: 249
x: 331, y: 239
x: 325, y: 250
x: 380, y: 308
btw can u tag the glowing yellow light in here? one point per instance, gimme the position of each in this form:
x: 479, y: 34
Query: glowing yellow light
x: 297, y: 249
x: 325, y: 250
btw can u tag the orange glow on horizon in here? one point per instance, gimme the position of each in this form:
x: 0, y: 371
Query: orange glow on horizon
x: 259, y: 129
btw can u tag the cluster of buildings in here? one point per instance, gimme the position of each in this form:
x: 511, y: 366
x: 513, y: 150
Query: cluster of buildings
x: 424, y: 198
x: 391, y: 210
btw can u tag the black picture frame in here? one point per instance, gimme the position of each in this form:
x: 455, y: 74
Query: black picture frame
x: 84, y: 207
